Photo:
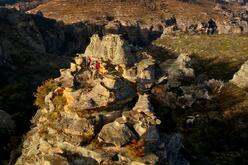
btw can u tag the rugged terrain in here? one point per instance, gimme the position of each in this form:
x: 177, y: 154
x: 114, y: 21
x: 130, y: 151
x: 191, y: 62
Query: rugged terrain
x: 218, y: 136
x: 110, y: 118
x: 179, y: 100
x: 32, y: 49
x: 148, y: 14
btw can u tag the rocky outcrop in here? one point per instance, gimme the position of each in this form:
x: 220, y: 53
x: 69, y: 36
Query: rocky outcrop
x: 134, y: 32
x: 142, y: 73
x: 97, y: 118
x: 110, y: 48
x: 235, y: 22
x: 93, y: 109
x: 175, y: 91
x: 240, y: 78
x: 178, y: 69
x: 117, y: 134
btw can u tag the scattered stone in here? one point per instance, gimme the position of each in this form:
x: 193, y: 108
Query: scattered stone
x: 179, y: 69
x: 78, y: 60
x: 240, y: 78
x: 140, y: 129
x: 66, y: 78
x: 73, y: 67
x: 117, y: 134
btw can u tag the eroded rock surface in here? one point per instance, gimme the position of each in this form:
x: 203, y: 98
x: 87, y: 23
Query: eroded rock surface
x: 111, y: 48
x: 108, y: 117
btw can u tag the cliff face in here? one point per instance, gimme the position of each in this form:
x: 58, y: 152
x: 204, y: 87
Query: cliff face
x: 107, y: 117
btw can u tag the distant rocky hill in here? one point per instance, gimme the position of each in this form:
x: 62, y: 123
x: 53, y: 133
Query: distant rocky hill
x: 190, y: 17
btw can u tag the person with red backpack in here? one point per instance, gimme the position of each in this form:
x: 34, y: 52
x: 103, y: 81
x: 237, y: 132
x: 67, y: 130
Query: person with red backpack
x: 96, y: 69
x: 98, y: 65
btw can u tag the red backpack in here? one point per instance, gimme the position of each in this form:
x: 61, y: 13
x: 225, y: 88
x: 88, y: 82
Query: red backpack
x: 98, y: 65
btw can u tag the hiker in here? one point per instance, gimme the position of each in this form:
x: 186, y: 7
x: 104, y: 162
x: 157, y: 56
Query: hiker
x: 97, y: 66
x: 88, y: 61
x: 212, y: 27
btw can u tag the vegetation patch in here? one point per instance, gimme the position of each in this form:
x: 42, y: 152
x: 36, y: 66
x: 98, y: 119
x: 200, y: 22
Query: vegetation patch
x: 42, y: 91
x: 219, y: 133
x: 220, y: 56
x: 136, y: 149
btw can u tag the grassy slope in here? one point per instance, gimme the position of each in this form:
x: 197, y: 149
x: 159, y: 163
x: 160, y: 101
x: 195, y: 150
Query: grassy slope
x: 71, y: 11
x: 220, y: 55
x: 220, y: 135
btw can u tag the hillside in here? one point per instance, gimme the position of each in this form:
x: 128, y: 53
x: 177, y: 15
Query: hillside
x: 230, y: 18
x: 218, y: 136
x: 75, y: 11
x: 124, y: 82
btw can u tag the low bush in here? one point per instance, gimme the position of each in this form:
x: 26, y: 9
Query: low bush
x: 42, y: 91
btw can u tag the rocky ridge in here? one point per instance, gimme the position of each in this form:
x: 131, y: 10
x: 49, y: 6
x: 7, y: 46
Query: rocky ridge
x: 109, y: 118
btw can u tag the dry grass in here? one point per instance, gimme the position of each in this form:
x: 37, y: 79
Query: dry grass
x: 219, y: 135
x: 220, y: 56
x: 135, y: 149
x: 73, y: 11
x: 43, y: 91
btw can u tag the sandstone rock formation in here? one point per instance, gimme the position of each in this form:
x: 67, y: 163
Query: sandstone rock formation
x: 241, y: 77
x: 109, y: 118
x: 93, y: 110
x: 110, y: 48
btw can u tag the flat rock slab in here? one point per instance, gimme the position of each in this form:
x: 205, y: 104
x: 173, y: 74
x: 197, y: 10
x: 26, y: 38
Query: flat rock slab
x: 117, y: 134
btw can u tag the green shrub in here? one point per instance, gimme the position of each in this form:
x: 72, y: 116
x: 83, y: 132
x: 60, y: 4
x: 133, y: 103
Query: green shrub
x: 42, y: 91
x: 59, y: 102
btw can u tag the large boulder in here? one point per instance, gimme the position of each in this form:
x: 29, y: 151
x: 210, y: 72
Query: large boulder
x: 240, y: 78
x: 100, y: 93
x: 122, y: 89
x: 117, y: 134
x: 178, y: 70
x: 110, y: 48
x: 142, y: 118
x: 142, y: 73
x: 66, y: 78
